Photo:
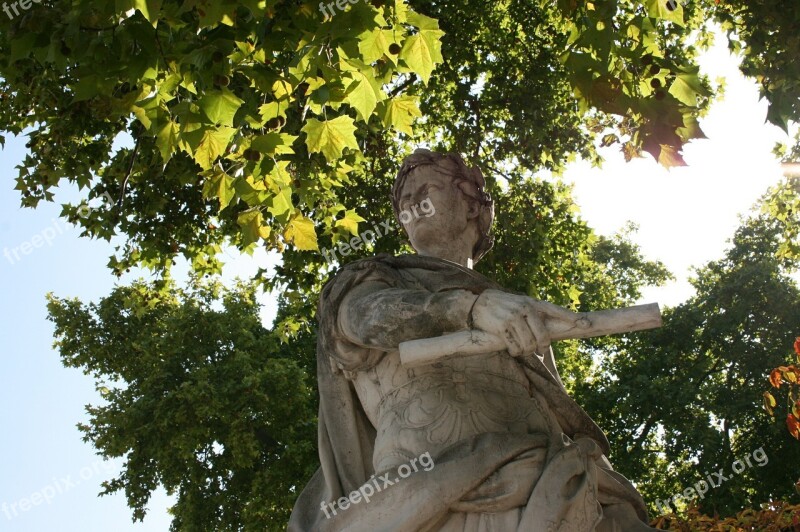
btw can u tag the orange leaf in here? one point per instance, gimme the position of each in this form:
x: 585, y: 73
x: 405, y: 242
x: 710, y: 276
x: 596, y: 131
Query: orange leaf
x: 793, y: 425
x: 775, y: 378
x: 797, y: 347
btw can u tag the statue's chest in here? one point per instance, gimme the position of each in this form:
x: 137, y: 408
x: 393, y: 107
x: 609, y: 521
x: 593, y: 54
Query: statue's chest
x: 431, y: 407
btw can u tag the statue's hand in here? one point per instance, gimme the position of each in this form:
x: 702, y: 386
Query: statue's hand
x: 519, y: 320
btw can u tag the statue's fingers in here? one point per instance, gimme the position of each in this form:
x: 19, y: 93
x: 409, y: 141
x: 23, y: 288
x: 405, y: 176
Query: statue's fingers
x: 540, y: 332
x: 513, y: 341
x: 527, y: 339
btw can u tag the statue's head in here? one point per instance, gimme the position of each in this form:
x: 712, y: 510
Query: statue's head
x: 441, y: 204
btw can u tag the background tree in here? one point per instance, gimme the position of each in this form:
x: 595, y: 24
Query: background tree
x: 683, y: 401
x: 198, y: 397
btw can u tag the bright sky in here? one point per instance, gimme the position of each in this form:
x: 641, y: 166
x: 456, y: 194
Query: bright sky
x: 685, y: 217
x: 687, y: 214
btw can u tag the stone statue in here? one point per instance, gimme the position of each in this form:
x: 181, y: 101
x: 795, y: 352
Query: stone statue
x: 475, y: 432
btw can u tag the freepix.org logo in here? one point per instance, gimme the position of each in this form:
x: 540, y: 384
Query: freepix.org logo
x: 715, y: 479
x: 426, y: 209
x: 341, y: 4
x: 18, y: 7
x: 374, y: 485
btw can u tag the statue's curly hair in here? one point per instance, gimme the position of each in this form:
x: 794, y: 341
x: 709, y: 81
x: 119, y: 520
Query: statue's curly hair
x: 463, y: 174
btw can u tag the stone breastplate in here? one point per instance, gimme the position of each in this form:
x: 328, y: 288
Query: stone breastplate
x: 429, y: 408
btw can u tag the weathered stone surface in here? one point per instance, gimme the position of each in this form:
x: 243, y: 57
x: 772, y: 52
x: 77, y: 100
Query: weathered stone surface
x: 485, y: 439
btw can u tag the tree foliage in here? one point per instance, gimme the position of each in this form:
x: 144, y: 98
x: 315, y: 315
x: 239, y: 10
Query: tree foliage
x: 782, y: 203
x: 197, y: 397
x: 683, y: 402
x: 250, y: 122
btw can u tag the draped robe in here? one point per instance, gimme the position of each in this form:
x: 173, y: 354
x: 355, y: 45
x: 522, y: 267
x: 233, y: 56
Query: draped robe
x: 548, y: 474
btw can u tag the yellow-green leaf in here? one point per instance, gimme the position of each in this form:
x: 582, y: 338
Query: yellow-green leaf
x: 350, y: 222
x: 399, y: 113
x: 687, y: 87
x: 212, y: 144
x: 167, y: 140
x: 661, y: 9
x: 361, y: 95
x: 282, y: 90
x: 281, y: 203
x: 252, y: 223
x: 330, y: 137
x: 422, y: 52
x: 272, y: 110
x: 300, y: 233
x: 220, y: 106
x: 769, y: 402
x: 374, y: 44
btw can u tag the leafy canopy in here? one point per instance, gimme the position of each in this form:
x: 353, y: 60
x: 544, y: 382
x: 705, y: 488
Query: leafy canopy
x: 251, y: 122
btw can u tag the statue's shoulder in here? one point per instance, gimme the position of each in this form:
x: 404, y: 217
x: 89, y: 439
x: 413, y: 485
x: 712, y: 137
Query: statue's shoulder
x: 408, y: 271
x: 383, y: 262
x: 378, y: 268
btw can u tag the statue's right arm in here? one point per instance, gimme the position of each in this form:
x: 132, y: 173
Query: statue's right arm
x: 378, y: 316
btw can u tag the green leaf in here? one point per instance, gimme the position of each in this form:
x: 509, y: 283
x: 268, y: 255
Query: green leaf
x: 220, y: 185
x: 330, y: 137
x: 300, y: 233
x: 779, y: 114
x: 220, y: 106
x: 350, y: 222
x: 273, y: 143
x: 687, y: 87
x: 217, y: 12
x: 361, y: 95
x: 659, y: 9
x: 86, y: 88
x: 690, y: 130
x: 374, y: 44
x: 252, y: 223
x: 209, y: 143
x: 167, y: 140
x: 149, y: 8
x: 400, y: 112
x: 422, y: 52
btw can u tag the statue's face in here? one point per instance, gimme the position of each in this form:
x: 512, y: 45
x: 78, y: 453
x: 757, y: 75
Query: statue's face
x: 438, y: 213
